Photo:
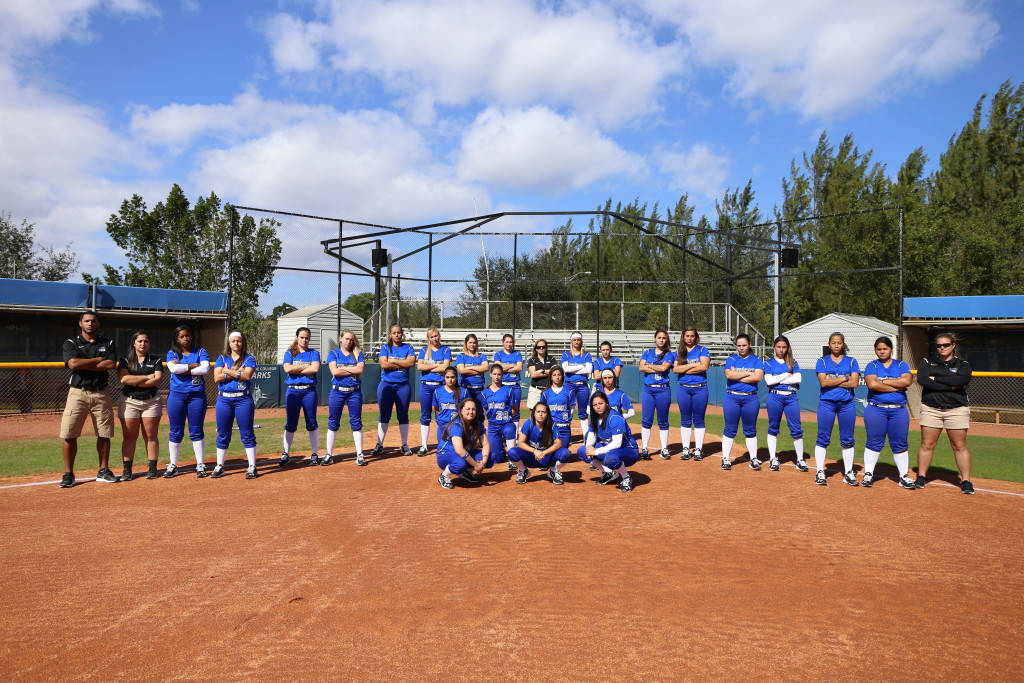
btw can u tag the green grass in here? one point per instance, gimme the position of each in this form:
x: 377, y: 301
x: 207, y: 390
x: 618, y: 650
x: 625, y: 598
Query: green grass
x: 991, y: 457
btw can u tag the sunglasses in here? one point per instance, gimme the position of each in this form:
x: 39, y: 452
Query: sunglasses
x: 540, y: 347
x: 942, y: 346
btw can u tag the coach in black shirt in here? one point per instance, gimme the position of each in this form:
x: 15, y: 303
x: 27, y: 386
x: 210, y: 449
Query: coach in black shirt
x: 539, y: 369
x: 90, y: 358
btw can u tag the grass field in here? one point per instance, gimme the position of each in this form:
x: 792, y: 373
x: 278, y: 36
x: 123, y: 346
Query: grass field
x: 991, y: 457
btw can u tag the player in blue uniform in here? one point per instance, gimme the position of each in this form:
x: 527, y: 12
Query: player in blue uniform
x: 462, y: 451
x: 743, y: 372
x: 691, y: 364
x: 346, y: 364
x: 187, y: 398
x: 838, y: 375
x: 432, y: 362
x: 606, y: 361
x: 539, y: 446
x: 233, y: 373
x: 446, y: 398
x: 610, y: 441
x: 782, y: 375
x: 512, y: 363
x: 655, y: 366
x: 501, y: 424
x: 618, y: 401
x: 578, y: 365
x: 886, y: 413
x: 394, y: 392
x: 301, y: 365
x: 473, y: 367
x: 560, y: 400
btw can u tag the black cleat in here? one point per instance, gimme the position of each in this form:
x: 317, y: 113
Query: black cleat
x: 665, y: 455
x: 920, y: 483
x: 68, y: 480
x: 726, y: 465
x: 555, y: 477
x: 907, y: 483
x: 697, y: 455
x: 607, y: 478
x: 314, y: 459
x: 171, y: 471
x: 218, y: 472
x: 360, y: 459
x: 445, y: 482
x: 285, y: 459
x: 422, y: 451
x: 773, y: 465
x: 755, y: 464
x: 377, y: 450
x: 327, y: 460
x: 106, y: 476
x: 802, y: 466
x: 522, y: 476
x: 470, y: 477
x: 627, y: 484
x: 967, y: 487
x: 819, y: 478
x: 251, y: 473
x: 685, y: 455
x: 850, y: 478
x: 201, y: 471
x: 868, y: 480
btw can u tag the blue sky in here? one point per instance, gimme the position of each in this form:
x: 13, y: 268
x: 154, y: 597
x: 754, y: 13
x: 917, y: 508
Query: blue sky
x: 403, y: 112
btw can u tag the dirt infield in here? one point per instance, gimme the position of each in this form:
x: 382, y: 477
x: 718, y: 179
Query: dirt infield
x: 377, y: 573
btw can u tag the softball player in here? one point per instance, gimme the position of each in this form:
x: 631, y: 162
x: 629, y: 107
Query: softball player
x: 606, y: 361
x: 618, y: 401
x: 512, y: 363
x: 578, y: 366
x: 346, y: 364
x: 432, y: 362
x: 691, y: 364
x: 886, y: 413
x: 461, y: 446
x: 187, y: 398
x: 472, y: 367
x: 560, y: 400
x: 394, y: 391
x: 610, y: 441
x: 838, y: 375
x: 539, y: 446
x: 301, y: 365
x: 782, y: 375
x: 446, y: 398
x: 743, y: 372
x: 655, y: 365
x: 233, y: 373
x: 501, y: 425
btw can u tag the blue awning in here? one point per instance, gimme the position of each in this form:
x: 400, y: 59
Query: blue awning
x: 964, y: 307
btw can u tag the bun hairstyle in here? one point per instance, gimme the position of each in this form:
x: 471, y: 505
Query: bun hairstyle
x: 846, y: 349
x: 788, y: 358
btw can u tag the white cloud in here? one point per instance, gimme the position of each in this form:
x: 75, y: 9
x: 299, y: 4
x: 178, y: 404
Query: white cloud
x: 27, y: 23
x: 510, y: 53
x: 537, y: 149
x: 697, y: 169
x: 824, y: 59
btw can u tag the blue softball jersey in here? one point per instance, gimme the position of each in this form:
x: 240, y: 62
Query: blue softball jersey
x: 498, y: 404
x: 832, y: 369
x: 615, y: 424
x: 532, y: 433
x: 185, y: 382
x: 560, y: 403
x: 774, y: 366
x: 233, y: 385
x: 896, y: 369
x: 575, y: 377
x: 650, y: 356
x: 509, y: 359
x: 693, y: 356
x: 618, y: 402
x: 600, y: 364
x: 400, y: 376
x: 339, y: 357
x: 306, y: 357
x: 471, y: 381
x: 737, y: 362
x: 434, y: 356
x: 445, y: 403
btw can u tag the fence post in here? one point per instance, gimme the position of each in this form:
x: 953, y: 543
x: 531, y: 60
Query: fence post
x: 531, y: 316
x: 442, y: 313
x: 597, y: 286
x: 515, y: 278
x: 341, y: 225
x: 577, y: 315
x: 430, y: 280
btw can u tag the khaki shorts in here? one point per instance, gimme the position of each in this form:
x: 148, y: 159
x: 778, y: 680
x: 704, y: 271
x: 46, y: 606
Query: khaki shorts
x: 950, y: 418
x: 83, y: 404
x: 133, y: 408
x: 533, y: 398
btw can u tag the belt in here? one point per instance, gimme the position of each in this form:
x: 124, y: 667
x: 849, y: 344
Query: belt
x: 741, y: 393
x: 337, y: 388
x: 234, y: 394
x: 91, y: 388
x: 887, y: 405
x: 656, y: 386
x: 783, y: 392
x: 300, y: 387
x: 510, y: 384
x: 431, y: 383
x: 562, y: 426
x: 694, y: 386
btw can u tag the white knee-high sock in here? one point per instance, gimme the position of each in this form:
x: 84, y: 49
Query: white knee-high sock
x: 557, y: 466
x: 752, y: 447
x: 847, y: 459
x: 332, y: 436
x: 870, y: 460
x: 197, y: 449
x: 174, y: 449
x: 222, y: 453
x: 583, y: 426
x: 288, y: 437
x: 250, y: 455
x: 698, y: 437
x: 357, y: 437
x: 314, y: 440
x: 509, y: 444
x: 520, y: 466
x: 447, y: 472
x: 902, y: 462
x: 773, y: 446
x: 819, y: 457
x: 605, y: 468
x: 664, y: 437
x: 424, y: 434
x: 727, y: 447
x: 798, y: 446
x: 623, y: 471
x: 645, y: 436
x: 403, y: 431
x: 684, y: 435
x: 382, y: 431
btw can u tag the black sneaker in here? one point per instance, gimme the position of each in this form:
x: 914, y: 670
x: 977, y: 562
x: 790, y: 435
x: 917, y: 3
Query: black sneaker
x: 850, y: 478
x: 512, y: 467
x: 314, y: 459
x: 106, y: 476
x: 445, y: 482
x: 470, y: 477
x: 406, y: 450
x: 665, y: 455
x: 522, y: 476
x: 645, y: 454
x: 626, y: 484
x: 593, y: 467
x: 555, y: 477
x: 967, y: 487
x: 126, y: 474
x: 868, y: 480
x: 907, y: 483
x: 920, y: 483
x: 422, y: 451
x: 755, y: 464
x: 607, y: 478
x: 802, y: 466
x: 68, y: 480
x: 685, y: 455
x: 201, y: 471
x: 151, y: 473
x: 218, y: 472
x: 171, y: 471
x: 327, y: 460
x: 819, y: 478
x: 726, y: 465
x: 377, y: 450
x: 251, y: 473
x: 360, y: 459
x: 697, y: 454
x: 285, y: 459
x: 773, y: 465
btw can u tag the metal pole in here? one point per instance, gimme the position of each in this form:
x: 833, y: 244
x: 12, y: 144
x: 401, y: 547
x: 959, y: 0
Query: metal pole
x: 531, y: 316
x: 430, y: 280
x: 376, y: 292
x: 622, y: 306
x: 231, y: 266
x: 597, y: 238
x: 515, y: 278
x: 341, y: 225
x: 899, y: 331
x: 390, y: 322
x: 683, y: 286
x: 778, y: 281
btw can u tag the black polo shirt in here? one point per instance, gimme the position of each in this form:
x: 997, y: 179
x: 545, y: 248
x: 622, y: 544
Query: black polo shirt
x: 78, y: 347
x: 147, y: 366
x: 538, y: 364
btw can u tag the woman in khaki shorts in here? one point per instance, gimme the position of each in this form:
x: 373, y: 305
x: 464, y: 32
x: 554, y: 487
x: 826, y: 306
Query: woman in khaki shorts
x: 140, y: 374
x: 944, y: 405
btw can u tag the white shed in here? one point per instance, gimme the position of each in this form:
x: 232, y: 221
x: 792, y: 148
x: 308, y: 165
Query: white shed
x: 810, y: 340
x: 322, y: 321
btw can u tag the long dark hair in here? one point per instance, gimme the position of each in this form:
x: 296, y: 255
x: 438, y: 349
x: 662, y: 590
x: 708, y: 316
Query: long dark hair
x: 471, y: 436
x: 389, y: 345
x: 682, y: 341
x: 547, y: 433
x: 133, y: 356
x: 294, y: 348
x: 545, y: 348
x: 667, y: 347
x: 595, y: 423
x: 241, y: 354
x: 458, y: 387
x: 175, y: 346
x: 466, y: 340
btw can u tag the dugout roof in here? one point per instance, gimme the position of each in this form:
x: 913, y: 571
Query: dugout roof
x: 963, y: 310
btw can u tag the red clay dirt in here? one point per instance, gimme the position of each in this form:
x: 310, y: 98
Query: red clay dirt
x: 377, y: 573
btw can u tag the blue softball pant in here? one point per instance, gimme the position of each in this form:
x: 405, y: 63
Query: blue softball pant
x: 336, y: 406
x: 229, y: 410
x: 693, y: 404
x: 736, y: 407
x: 613, y: 459
x: 427, y: 401
x: 497, y: 434
x: 788, y: 405
x: 828, y: 413
x: 526, y: 456
x: 655, y: 399
x: 296, y: 400
x: 516, y: 398
x: 182, y: 405
x: 580, y: 391
x: 394, y: 395
x: 455, y: 462
x: 882, y: 422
